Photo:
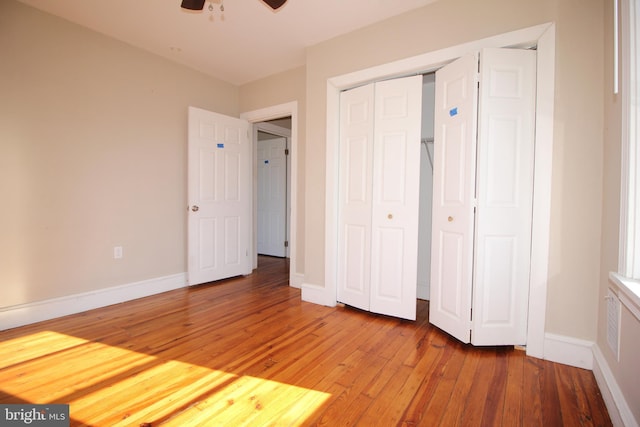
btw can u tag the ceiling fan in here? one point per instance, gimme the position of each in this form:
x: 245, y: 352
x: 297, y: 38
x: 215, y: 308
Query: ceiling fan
x: 199, y: 4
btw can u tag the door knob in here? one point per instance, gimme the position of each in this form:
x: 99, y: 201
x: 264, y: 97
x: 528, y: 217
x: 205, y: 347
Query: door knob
x: 450, y: 219
x: 195, y: 208
x: 390, y: 216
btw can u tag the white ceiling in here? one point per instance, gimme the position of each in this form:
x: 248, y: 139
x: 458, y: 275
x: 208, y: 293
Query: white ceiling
x: 245, y: 43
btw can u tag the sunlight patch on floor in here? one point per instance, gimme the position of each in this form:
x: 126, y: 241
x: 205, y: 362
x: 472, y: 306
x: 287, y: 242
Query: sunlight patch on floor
x: 107, y: 385
x: 32, y: 346
x: 254, y: 401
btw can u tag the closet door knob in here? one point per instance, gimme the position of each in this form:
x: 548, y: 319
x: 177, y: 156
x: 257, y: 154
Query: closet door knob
x: 450, y: 219
x: 390, y: 216
x: 195, y: 208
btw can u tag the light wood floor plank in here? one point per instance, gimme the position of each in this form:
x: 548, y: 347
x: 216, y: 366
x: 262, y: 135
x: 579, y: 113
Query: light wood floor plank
x: 248, y: 351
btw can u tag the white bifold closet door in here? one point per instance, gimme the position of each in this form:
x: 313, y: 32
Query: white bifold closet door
x: 482, y: 199
x: 379, y: 196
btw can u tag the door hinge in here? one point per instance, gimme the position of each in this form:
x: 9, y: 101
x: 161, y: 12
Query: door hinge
x: 286, y: 151
x: 286, y: 243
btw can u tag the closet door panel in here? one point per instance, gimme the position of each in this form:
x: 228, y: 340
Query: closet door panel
x: 396, y: 186
x: 355, y: 193
x: 453, y: 197
x: 505, y: 196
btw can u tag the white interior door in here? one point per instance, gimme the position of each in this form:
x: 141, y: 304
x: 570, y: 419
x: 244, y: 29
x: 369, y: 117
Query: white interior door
x: 505, y: 196
x: 272, y: 197
x: 379, y: 196
x: 396, y: 196
x: 219, y: 191
x: 454, y: 196
x: 355, y: 193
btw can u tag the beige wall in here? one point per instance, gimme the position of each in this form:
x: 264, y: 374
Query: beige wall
x: 625, y: 370
x: 576, y: 203
x: 92, y: 155
x: 577, y: 166
x: 274, y: 90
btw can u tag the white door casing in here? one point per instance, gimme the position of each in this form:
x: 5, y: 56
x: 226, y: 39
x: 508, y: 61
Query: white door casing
x: 378, y: 199
x: 219, y: 192
x: 272, y: 196
x: 506, y: 127
x: 453, y: 196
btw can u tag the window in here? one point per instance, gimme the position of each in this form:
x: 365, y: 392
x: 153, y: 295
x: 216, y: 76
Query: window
x: 628, y: 276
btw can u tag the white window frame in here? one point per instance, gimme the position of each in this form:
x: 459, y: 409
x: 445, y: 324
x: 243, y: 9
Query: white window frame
x: 627, y: 278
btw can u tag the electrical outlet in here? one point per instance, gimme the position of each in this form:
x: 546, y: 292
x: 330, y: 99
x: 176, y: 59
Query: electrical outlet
x: 117, y: 252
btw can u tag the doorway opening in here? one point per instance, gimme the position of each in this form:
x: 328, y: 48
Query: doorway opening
x: 273, y: 187
x: 281, y: 116
x: 426, y: 186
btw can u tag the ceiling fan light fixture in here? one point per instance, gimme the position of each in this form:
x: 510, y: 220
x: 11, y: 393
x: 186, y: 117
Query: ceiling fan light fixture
x: 275, y: 4
x: 192, y: 4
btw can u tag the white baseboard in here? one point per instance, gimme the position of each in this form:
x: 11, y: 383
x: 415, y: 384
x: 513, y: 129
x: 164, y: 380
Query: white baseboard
x: 24, y: 314
x: 317, y: 295
x: 296, y: 280
x: 619, y: 410
x: 569, y: 351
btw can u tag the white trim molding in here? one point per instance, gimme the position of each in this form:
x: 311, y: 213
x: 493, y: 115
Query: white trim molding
x: 296, y: 280
x: 568, y: 351
x: 629, y: 261
x: 273, y: 129
x: 628, y: 292
x: 25, y: 314
x: 317, y: 295
x: 617, y: 406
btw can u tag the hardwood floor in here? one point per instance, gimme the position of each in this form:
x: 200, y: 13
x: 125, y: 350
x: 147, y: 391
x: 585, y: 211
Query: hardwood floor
x: 247, y: 351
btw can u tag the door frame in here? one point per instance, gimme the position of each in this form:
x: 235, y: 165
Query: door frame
x: 540, y: 36
x: 269, y: 113
x: 285, y: 133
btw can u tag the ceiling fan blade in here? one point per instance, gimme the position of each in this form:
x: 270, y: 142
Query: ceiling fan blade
x: 275, y: 4
x: 192, y: 4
